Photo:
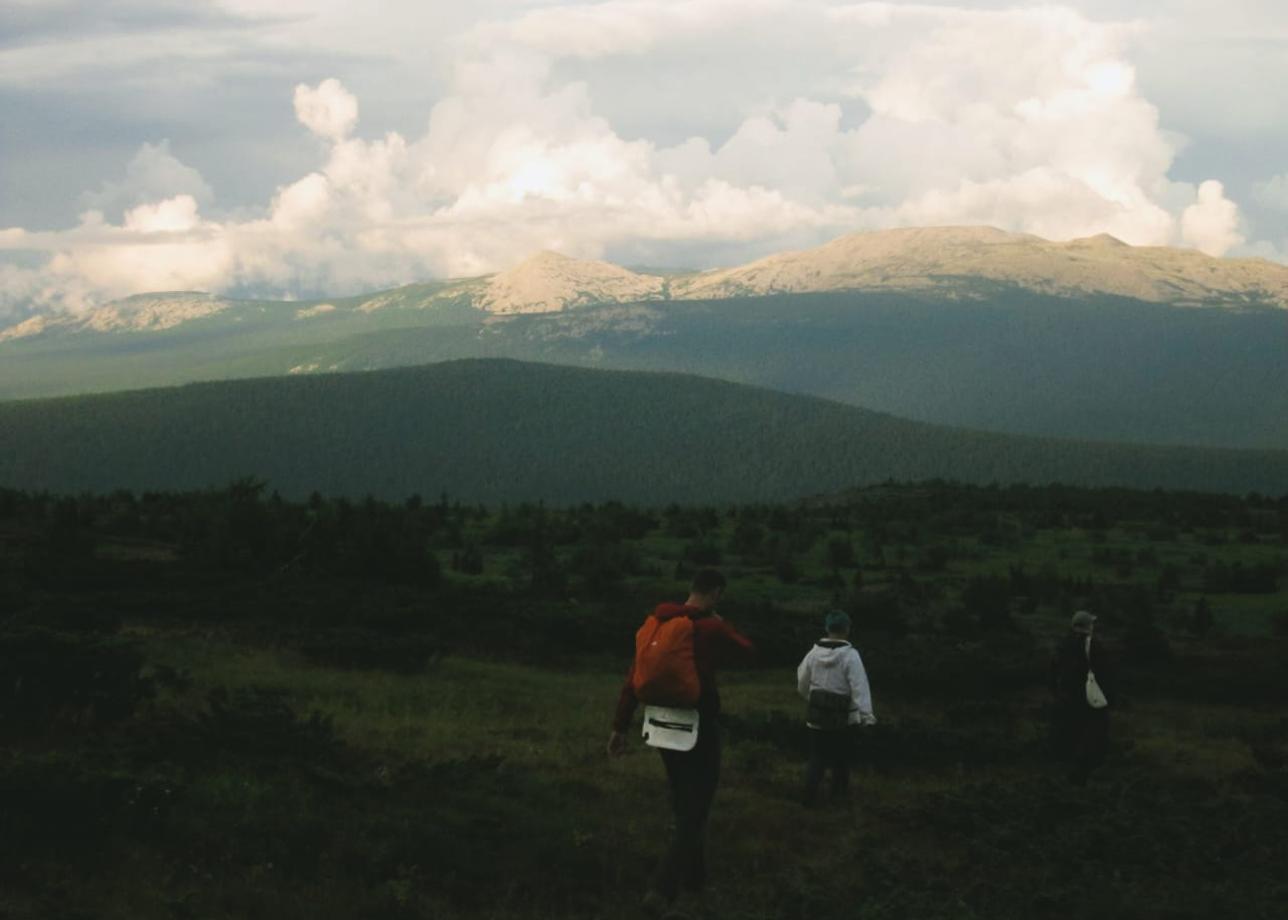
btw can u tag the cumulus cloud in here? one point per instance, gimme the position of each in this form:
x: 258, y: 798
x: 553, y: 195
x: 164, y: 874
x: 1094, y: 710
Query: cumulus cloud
x: 1026, y: 119
x: 328, y: 110
x: 1211, y: 224
x: 159, y: 246
x: 153, y: 174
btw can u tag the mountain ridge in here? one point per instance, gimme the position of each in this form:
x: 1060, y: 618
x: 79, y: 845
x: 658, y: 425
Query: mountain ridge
x: 920, y: 258
x: 945, y: 259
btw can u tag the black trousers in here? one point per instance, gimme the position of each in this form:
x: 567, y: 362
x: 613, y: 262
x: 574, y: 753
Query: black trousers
x: 1082, y: 739
x: 693, y: 777
x: 828, y: 749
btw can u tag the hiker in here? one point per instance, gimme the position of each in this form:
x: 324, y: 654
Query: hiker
x: 833, y: 681
x: 1083, y: 687
x: 692, y: 774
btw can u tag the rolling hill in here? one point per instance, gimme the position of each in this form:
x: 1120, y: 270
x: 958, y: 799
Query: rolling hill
x: 496, y: 431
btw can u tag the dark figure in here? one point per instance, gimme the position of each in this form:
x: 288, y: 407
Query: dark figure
x: 692, y: 775
x: 828, y: 750
x: 832, y: 680
x: 1081, y: 729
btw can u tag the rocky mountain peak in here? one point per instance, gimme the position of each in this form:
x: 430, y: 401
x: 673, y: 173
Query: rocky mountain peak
x: 550, y: 281
x: 1099, y: 241
x: 944, y: 257
x: 137, y: 313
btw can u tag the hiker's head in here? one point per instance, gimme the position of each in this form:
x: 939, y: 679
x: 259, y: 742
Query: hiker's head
x: 1083, y: 622
x: 706, y: 588
x: 837, y: 624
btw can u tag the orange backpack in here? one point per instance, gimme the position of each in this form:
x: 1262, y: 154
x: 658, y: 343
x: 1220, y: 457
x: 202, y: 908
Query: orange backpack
x: 665, y: 671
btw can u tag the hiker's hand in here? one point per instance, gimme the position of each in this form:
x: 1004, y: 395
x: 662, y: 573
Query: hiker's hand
x: 616, y: 744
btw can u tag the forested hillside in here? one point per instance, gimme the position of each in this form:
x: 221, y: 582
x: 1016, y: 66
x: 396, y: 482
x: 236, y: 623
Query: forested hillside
x: 504, y: 431
x: 988, y: 358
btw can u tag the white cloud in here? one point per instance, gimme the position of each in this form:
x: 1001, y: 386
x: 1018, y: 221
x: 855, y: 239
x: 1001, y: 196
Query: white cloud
x: 1211, y: 224
x: 163, y: 246
x: 1027, y: 119
x: 172, y: 215
x: 328, y: 109
x: 153, y: 174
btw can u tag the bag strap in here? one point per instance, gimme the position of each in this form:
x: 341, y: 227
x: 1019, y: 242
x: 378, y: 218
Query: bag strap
x: 1087, y: 648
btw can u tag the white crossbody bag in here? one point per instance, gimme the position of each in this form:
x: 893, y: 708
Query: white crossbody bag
x: 1095, y: 696
x: 672, y: 729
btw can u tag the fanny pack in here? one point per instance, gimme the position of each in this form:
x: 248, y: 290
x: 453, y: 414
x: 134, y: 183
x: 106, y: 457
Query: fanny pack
x: 670, y: 728
x: 828, y: 710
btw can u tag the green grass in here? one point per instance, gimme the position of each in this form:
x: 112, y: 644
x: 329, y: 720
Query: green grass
x: 954, y: 840
x: 946, y: 841
x: 257, y: 782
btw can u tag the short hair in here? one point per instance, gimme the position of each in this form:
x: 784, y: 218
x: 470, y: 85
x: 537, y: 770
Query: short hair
x: 707, y: 581
x: 836, y: 621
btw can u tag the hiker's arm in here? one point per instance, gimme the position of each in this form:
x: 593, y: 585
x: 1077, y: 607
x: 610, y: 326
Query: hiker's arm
x: 626, y: 703
x: 860, y: 691
x: 734, y: 647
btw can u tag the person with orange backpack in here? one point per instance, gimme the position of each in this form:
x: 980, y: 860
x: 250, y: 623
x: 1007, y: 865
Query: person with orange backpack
x: 677, y: 651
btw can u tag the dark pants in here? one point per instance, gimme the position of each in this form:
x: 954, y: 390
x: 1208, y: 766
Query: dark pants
x: 692, y: 776
x: 1082, y: 739
x: 828, y: 749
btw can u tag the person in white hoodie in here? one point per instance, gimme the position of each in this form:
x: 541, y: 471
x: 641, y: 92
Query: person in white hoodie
x: 833, y: 681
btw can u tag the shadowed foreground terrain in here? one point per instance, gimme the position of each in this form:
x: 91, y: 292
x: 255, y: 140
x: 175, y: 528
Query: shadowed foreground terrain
x: 222, y: 704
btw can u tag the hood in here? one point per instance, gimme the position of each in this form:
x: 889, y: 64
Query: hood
x: 830, y: 653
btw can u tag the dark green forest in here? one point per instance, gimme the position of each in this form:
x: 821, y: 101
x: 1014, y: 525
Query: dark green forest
x: 492, y: 431
x: 988, y: 357
x: 224, y: 703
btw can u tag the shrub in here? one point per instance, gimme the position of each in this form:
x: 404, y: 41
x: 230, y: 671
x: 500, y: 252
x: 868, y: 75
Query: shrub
x: 50, y: 679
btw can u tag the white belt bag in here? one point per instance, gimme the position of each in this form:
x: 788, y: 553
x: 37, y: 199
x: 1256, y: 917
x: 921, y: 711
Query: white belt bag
x: 673, y: 729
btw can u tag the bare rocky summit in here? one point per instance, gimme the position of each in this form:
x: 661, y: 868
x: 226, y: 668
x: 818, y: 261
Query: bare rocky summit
x: 549, y: 282
x: 944, y: 257
x: 914, y: 259
x: 141, y: 313
x: 952, y: 261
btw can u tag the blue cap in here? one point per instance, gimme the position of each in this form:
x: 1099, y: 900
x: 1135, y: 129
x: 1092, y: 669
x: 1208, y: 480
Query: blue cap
x: 836, y: 621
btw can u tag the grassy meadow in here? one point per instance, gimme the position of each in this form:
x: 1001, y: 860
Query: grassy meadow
x: 225, y: 705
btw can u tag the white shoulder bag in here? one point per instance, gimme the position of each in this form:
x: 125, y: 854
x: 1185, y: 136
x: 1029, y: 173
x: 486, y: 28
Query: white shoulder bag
x: 1095, y: 696
x: 673, y: 729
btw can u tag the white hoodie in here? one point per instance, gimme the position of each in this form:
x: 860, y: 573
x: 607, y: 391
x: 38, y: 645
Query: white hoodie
x: 835, y: 665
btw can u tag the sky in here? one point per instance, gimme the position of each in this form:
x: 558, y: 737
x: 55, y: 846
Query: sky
x: 292, y: 149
